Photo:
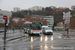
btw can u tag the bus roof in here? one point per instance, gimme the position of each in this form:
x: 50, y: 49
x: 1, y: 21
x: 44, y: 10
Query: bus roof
x: 44, y: 26
x: 27, y: 23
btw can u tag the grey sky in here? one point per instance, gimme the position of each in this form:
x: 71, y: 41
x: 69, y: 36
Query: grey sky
x: 25, y: 4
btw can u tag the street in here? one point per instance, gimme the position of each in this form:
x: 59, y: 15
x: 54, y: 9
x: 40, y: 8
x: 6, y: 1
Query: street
x: 37, y: 42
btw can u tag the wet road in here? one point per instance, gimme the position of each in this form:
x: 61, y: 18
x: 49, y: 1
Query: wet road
x: 41, y: 42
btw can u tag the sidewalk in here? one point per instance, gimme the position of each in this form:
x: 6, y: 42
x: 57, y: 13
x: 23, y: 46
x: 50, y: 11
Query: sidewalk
x: 70, y: 35
x: 9, y: 32
x: 13, y: 35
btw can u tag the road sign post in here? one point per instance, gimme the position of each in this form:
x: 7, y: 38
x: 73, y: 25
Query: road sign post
x: 5, y: 18
x: 67, y: 29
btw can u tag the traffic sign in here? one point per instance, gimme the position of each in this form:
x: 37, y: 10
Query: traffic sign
x: 5, y: 17
x: 64, y: 19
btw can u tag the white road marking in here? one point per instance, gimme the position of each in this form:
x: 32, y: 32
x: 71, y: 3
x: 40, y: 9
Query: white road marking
x: 42, y: 35
x: 26, y: 34
x: 59, y: 36
x: 35, y: 39
x: 14, y: 40
x: 25, y: 39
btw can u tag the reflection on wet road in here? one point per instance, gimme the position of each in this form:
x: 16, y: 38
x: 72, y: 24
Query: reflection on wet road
x: 41, y: 38
x: 39, y: 42
x: 44, y: 38
x: 31, y: 38
x: 51, y: 37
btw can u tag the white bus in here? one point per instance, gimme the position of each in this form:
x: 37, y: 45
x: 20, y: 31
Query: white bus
x: 36, y: 27
x: 27, y: 27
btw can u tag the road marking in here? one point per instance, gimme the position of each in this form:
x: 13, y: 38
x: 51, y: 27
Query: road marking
x: 14, y: 40
x: 35, y: 39
x: 26, y: 34
x: 42, y: 35
x: 25, y: 39
x: 59, y: 36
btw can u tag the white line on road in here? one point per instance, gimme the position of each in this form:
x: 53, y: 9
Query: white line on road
x: 35, y: 39
x: 14, y: 40
x: 25, y: 39
x: 59, y: 37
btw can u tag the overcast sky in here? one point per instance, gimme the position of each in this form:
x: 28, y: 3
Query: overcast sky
x: 25, y: 4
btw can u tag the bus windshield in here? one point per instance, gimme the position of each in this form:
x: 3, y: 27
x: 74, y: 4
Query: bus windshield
x: 36, y: 27
x: 27, y: 26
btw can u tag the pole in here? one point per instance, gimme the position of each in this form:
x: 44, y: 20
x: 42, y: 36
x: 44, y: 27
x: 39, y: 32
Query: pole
x: 67, y: 29
x: 5, y: 36
x: 64, y: 26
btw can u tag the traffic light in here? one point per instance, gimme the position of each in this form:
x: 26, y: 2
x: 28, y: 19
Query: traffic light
x: 6, y: 22
x: 64, y: 21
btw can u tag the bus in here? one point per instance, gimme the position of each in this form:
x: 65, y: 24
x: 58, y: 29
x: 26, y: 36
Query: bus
x: 27, y: 26
x: 36, y: 27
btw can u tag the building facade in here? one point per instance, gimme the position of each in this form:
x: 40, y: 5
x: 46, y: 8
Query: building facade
x: 50, y: 19
x: 16, y: 9
x: 2, y: 13
x: 35, y: 8
x: 2, y: 21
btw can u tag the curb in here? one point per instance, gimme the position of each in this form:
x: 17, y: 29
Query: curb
x: 3, y: 33
x: 15, y: 38
x: 7, y: 33
x: 68, y: 37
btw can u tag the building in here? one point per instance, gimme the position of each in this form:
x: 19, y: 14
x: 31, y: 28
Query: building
x: 16, y: 9
x: 72, y: 23
x: 15, y: 20
x: 2, y: 13
x: 73, y: 7
x: 53, y: 7
x: 50, y: 19
x: 2, y: 21
x: 35, y: 8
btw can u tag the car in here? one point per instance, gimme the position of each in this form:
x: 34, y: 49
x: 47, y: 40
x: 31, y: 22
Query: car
x: 47, y: 30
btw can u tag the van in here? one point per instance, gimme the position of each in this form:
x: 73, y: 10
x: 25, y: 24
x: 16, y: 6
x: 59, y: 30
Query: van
x: 47, y: 30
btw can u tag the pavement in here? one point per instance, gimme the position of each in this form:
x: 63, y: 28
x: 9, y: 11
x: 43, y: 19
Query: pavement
x: 11, y: 35
x: 69, y: 35
x: 8, y: 32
